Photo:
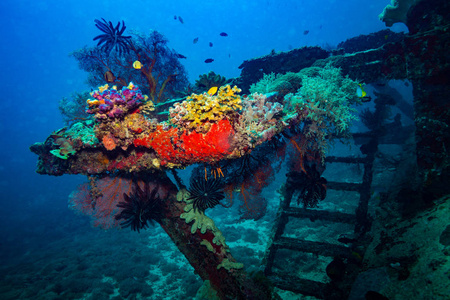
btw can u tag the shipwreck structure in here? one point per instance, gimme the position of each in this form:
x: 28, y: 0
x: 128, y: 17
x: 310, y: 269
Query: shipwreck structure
x: 123, y: 146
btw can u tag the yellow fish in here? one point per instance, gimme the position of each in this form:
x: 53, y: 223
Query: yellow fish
x: 137, y: 65
x: 212, y: 90
x: 360, y: 92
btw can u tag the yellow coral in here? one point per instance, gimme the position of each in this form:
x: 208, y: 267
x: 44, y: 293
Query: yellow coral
x: 207, y: 107
x: 103, y: 88
x: 228, y: 264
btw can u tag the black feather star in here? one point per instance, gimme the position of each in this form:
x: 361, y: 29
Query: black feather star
x: 113, y: 37
x: 205, y: 193
x: 311, y: 186
x: 140, y: 208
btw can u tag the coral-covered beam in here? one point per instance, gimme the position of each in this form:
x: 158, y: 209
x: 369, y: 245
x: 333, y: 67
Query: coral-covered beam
x: 203, y: 245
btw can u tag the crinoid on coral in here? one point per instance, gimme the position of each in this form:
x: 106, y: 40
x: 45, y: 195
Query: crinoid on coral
x: 113, y: 37
x: 207, y: 81
x: 140, y: 208
x: 161, y: 75
x: 310, y: 186
x: 205, y: 193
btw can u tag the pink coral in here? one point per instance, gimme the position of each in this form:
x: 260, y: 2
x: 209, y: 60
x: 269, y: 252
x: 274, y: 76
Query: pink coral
x: 113, y: 104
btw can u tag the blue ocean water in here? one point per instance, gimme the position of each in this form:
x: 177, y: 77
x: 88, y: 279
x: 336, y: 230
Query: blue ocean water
x: 36, y: 72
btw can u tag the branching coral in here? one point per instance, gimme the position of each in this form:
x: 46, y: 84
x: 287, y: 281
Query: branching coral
x: 280, y: 83
x: 323, y: 105
x: 200, y: 111
x: 160, y: 76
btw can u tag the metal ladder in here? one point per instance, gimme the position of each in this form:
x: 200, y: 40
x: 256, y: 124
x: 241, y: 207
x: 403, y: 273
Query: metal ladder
x: 359, y: 219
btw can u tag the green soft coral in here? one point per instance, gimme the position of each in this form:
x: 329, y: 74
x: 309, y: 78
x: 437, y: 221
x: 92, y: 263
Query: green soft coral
x: 280, y: 83
x: 201, y: 221
x: 324, y: 105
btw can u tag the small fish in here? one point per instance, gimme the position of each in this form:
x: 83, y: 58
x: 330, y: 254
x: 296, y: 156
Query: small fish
x: 212, y: 90
x: 305, y: 32
x: 229, y: 55
x: 195, y: 40
x: 180, y: 55
x: 174, y: 17
x: 360, y: 92
x: 210, y: 44
x: 223, y: 34
x: 181, y: 20
x: 137, y: 65
x: 209, y: 60
x: 109, y: 76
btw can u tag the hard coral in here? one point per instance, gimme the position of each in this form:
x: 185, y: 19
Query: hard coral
x: 109, y: 104
x: 205, y: 109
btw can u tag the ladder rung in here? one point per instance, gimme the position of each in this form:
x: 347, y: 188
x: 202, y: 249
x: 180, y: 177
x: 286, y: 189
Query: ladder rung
x: 331, y: 216
x: 345, y: 159
x: 319, y: 248
x: 344, y: 186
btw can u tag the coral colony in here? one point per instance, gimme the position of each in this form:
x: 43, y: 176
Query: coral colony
x: 110, y: 103
x: 125, y: 142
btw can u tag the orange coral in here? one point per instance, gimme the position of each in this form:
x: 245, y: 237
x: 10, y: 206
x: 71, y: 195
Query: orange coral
x: 109, y: 142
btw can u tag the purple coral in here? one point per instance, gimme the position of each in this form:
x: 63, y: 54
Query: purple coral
x: 113, y: 104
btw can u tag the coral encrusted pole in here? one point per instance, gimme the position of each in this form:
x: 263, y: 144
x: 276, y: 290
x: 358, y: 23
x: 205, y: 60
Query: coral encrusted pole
x: 203, y: 245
